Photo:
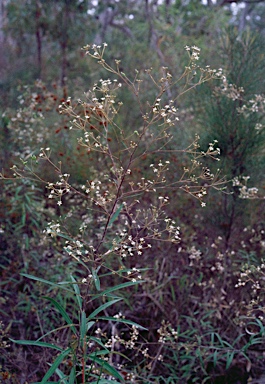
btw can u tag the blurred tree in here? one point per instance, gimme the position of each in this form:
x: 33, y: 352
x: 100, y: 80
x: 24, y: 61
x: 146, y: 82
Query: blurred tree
x: 241, y: 136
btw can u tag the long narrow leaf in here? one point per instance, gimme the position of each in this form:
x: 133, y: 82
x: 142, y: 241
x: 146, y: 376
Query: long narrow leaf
x: 83, y: 327
x: 107, y: 367
x: 72, y: 376
x: 117, y: 287
x: 102, y: 307
x: 99, y: 353
x: 63, y: 313
x: 107, y: 352
x: 97, y: 341
x: 36, y: 344
x: 54, y: 330
x: 45, y: 281
x: 63, y: 377
x: 229, y: 359
x: 124, y: 321
x: 49, y: 382
x: 116, y: 214
x: 55, y: 365
x: 105, y: 381
x: 77, y: 292
x: 96, y: 279
x: 89, y: 325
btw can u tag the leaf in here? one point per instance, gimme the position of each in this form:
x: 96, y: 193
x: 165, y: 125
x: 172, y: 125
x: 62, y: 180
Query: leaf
x: 215, y: 358
x: 89, y: 325
x: 72, y: 376
x: 98, y: 341
x: 107, y: 367
x: 62, y: 376
x: 124, y: 321
x: 57, y: 285
x: 99, y: 353
x: 36, y: 344
x: 55, y: 365
x: 79, y: 260
x: 102, y: 307
x: 83, y: 327
x: 96, y: 279
x: 49, y: 382
x: 63, y: 313
x: 65, y: 236
x: 54, y: 330
x: 105, y: 381
x: 229, y: 359
x: 115, y: 216
x: 77, y: 292
x: 117, y: 287
x: 107, y: 352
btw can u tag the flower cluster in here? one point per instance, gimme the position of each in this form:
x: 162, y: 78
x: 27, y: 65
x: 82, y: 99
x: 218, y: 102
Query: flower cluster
x: 168, y: 112
x: 194, y: 52
x: 245, y: 192
x: 167, y: 333
x: 194, y: 255
x: 207, y: 72
x: 60, y: 188
x: 254, y: 105
x: 125, y: 245
x: 231, y: 91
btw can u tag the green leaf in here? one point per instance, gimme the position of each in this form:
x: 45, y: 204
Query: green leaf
x: 117, y: 287
x: 107, y: 352
x: 124, y: 321
x: 55, y: 365
x: 62, y: 376
x: 98, y: 341
x: 107, y: 367
x: 102, y: 307
x: 96, y: 279
x: 116, y: 214
x: 77, y: 292
x: 99, y: 353
x: 36, y: 344
x: 65, y: 236
x: 89, y: 325
x: 63, y: 313
x: 215, y: 358
x: 49, y: 382
x: 105, y: 381
x: 72, y: 376
x: 229, y: 359
x: 57, y: 285
x: 83, y: 327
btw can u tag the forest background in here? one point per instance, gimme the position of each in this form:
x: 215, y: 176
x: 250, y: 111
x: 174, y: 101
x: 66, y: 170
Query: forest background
x: 132, y: 229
